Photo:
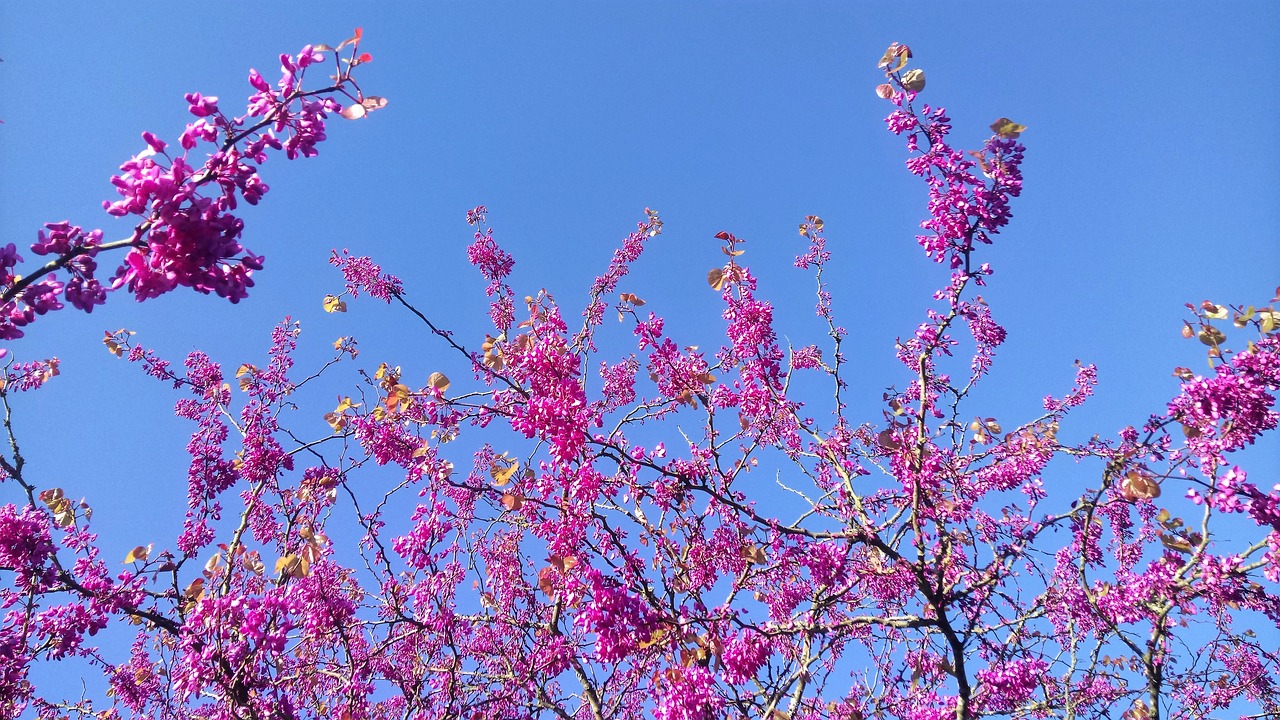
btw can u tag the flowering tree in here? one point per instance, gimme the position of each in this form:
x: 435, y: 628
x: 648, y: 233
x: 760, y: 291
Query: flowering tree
x: 576, y: 531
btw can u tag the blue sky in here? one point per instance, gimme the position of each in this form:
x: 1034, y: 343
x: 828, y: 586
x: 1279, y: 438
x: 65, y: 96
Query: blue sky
x: 1151, y: 181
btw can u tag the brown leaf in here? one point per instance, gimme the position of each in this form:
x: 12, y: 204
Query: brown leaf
x: 1211, y: 336
x: 715, y: 278
x: 194, y: 591
x: 252, y: 562
x: 438, y: 381
x: 213, y: 565
x: 1139, y: 486
x: 913, y: 80
x: 754, y: 554
x: 895, y: 58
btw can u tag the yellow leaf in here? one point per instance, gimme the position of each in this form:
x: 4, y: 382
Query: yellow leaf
x: 138, y: 553
x: 332, y: 303
x: 1006, y: 128
x: 1269, y: 319
x: 655, y: 637
x: 113, y: 347
x: 295, y: 566
x: 503, y: 469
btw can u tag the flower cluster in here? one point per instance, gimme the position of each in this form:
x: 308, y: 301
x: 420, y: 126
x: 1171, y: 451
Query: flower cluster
x: 363, y: 275
x: 495, y: 264
x: 684, y: 543
x: 620, y: 621
x: 185, y: 234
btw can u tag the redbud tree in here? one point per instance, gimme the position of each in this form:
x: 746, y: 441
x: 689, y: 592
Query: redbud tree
x: 595, y: 519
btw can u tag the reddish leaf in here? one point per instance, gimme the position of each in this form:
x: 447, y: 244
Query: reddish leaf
x: 887, y: 441
x: 544, y: 581
x: 353, y: 40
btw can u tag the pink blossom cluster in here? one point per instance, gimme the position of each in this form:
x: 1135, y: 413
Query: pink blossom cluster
x: 495, y: 264
x: 185, y: 234
x: 575, y: 526
x: 363, y: 275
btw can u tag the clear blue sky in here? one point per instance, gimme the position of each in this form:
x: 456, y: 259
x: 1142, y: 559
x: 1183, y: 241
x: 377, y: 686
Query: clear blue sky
x: 1151, y: 181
